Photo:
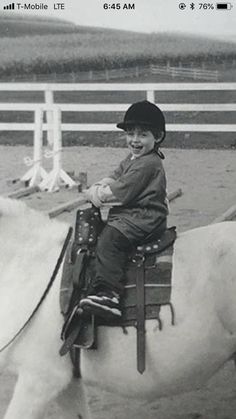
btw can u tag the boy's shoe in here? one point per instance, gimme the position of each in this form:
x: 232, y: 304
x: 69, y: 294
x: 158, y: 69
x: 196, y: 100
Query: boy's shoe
x: 105, y: 305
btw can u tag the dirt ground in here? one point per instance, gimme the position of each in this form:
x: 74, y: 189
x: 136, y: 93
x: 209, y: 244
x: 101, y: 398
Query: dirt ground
x: 207, y: 179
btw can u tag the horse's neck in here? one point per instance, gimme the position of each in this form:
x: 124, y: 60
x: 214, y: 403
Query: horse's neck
x: 27, y: 237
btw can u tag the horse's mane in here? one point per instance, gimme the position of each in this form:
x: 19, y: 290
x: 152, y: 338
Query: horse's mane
x: 17, y: 213
x: 12, y: 207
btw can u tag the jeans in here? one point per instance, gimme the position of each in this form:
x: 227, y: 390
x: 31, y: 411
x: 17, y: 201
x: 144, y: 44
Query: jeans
x: 112, y: 254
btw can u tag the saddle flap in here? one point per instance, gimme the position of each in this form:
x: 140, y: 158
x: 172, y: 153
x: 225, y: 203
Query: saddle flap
x: 159, y: 245
x: 78, y: 331
x: 88, y: 226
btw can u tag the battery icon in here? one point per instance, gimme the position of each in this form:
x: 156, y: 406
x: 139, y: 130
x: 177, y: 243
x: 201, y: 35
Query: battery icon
x: 224, y: 6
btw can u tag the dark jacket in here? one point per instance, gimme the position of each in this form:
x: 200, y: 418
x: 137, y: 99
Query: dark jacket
x: 140, y: 185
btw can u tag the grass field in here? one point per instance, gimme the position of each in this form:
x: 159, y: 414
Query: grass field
x: 36, y: 50
x: 12, y: 26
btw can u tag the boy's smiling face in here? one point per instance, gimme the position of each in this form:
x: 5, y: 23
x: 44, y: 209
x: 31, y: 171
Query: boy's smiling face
x: 139, y: 140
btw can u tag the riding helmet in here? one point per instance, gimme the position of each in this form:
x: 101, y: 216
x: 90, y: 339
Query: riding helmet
x: 146, y: 114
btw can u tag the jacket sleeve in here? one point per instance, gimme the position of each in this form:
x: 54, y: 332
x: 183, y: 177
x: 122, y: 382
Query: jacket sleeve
x: 131, y: 184
x: 118, y: 171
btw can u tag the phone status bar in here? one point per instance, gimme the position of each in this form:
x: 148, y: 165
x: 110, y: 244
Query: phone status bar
x: 205, y: 6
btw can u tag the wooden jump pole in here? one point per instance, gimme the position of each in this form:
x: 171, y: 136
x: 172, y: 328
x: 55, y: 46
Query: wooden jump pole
x: 73, y: 204
x: 67, y: 207
x: 20, y: 193
x: 35, y: 175
x: 174, y: 194
x: 226, y: 216
x: 49, y: 100
x: 57, y: 176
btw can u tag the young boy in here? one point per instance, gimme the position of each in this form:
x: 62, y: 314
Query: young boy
x: 139, y: 184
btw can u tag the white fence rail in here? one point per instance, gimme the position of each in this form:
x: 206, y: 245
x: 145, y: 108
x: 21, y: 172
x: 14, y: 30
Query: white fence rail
x: 180, y: 69
x: 54, y: 125
x: 193, y: 73
x: 149, y: 88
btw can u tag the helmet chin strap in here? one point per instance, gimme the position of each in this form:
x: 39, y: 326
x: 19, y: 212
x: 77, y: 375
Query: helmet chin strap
x: 157, y: 145
x: 160, y: 154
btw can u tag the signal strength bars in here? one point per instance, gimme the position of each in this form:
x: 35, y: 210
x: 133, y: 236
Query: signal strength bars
x: 10, y: 6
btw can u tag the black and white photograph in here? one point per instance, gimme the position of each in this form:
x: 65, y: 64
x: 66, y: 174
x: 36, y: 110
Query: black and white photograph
x: 117, y: 209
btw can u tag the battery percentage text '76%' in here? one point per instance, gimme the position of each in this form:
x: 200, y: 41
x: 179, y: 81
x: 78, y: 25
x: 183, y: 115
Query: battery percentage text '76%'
x: 206, y: 6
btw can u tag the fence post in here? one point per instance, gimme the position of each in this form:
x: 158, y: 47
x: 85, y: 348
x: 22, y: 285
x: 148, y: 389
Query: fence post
x: 107, y: 75
x: 150, y: 94
x: 57, y: 174
x: 49, y: 100
x: 73, y: 77
x: 90, y: 75
x: 36, y: 173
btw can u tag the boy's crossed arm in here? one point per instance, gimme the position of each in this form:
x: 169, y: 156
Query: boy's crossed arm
x: 100, y: 193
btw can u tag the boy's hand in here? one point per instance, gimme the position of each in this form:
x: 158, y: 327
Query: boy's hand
x: 100, y: 194
x: 92, y: 196
x: 106, y: 181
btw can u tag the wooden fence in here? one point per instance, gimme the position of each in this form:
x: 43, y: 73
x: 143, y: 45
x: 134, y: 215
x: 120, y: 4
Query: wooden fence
x: 180, y: 71
x: 186, y: 72
x: 54, y: 125
x: 149, y: 89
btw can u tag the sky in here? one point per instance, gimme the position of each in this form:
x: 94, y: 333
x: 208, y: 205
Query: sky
x: 148, y: 16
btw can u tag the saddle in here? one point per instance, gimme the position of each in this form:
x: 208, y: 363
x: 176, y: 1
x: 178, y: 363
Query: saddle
x: 147, y: 288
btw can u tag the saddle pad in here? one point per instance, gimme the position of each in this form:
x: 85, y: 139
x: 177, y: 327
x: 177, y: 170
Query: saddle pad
x: 157, y: 289
x: 66, y: 287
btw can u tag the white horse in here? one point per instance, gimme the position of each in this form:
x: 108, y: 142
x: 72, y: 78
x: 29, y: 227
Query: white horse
x: 178, y: 358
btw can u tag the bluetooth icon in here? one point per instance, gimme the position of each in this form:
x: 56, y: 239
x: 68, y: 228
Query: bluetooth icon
x: 192, y: 6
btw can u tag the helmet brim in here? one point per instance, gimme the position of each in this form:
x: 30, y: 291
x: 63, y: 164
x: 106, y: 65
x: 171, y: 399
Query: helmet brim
x: 132, y: 123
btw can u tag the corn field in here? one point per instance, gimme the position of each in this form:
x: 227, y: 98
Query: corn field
x: 99, y: 49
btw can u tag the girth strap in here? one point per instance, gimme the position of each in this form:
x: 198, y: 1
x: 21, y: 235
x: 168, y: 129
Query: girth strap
x: 140, y: 307
x: 79, y: 266
x: 69, y: 341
